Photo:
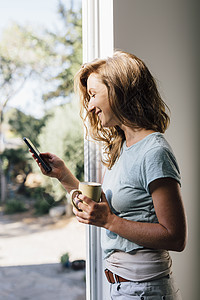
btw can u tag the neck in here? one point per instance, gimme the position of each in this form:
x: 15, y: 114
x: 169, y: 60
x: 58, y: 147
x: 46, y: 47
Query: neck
x: 135, y: 135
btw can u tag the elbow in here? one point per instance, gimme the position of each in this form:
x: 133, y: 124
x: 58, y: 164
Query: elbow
x: 182, y: 240
x: 178, y: 238
x: 179, y: 243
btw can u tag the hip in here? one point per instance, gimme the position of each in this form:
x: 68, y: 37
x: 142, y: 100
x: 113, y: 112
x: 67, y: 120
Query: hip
x: 160, y: 289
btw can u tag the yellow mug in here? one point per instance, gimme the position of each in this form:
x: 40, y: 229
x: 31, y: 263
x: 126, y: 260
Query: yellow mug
x: 90, y: 189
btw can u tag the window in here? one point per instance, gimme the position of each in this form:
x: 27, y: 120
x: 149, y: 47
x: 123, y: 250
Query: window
x: 97, y: 42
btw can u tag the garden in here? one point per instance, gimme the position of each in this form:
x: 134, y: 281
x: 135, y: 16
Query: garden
x: 47, y: 61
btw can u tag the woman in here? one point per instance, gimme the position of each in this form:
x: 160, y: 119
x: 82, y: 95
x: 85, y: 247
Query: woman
x: 141, y: 212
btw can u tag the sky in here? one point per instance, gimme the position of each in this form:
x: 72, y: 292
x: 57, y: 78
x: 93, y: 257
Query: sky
x: 42, y: 12
x: 39, y: 13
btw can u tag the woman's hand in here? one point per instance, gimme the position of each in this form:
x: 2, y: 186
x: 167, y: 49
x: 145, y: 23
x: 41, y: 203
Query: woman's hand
x: 59, y: 171
x: 93, y: 213
x: 57, y: 164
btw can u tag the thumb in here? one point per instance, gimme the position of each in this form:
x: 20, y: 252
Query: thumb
x: 103, y: 197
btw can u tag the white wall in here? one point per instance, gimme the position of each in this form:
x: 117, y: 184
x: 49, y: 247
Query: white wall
x: 165, y: 35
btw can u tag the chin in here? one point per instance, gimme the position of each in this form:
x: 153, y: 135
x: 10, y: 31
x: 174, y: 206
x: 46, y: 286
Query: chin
x: 104, y: 124
x: 108, y: 123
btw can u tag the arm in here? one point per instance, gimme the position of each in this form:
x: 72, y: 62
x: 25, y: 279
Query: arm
x: 59, y: 171
x: 169, y: 233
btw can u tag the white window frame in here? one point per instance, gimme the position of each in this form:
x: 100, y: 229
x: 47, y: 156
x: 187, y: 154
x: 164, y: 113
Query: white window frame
x: 97, y: 22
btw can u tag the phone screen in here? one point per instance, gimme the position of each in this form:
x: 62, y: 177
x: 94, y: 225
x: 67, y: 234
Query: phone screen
x: 37, y: 154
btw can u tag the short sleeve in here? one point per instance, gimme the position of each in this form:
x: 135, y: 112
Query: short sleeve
x: 158, y: 163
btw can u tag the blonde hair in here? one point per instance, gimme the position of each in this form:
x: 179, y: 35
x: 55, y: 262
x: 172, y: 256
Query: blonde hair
x: 133, y: 97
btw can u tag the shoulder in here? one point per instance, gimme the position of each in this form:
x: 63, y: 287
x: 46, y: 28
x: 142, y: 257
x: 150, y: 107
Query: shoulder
x: 158, y: 149
x: 159, y: 161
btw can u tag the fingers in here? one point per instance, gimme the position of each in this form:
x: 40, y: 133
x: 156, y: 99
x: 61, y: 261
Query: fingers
x: 83, y: 221
x: 40, y: 165
x: 87, y: 210
x: 87, y: 200
x: 47, y: 155
x: 76, y: 201
x: 86, y: 204
x: 81, y: 216
x: 82, y: 203
x: 32, y: 153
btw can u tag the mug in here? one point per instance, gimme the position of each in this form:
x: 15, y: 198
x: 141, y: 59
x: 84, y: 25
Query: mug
x: 90, y: 189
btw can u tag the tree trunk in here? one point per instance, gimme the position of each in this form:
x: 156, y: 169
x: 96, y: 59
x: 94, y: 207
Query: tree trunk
x: 3, y: 186
x: 3, y: 189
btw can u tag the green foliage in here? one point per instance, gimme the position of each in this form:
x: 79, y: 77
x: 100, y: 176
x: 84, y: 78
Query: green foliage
x: 26, y: 125
x: 23, y: 53
x: 68, y: 45
x: 42, y: 206
x: 43, y: 201
x: 63, y: 135
x: 22, y: 50
x: 40, y: 201
x: 54, y: 57
x: 38, y: 193
x: 15, y: 162
x: 32, y: 46
x: 14, y: 205
x: 18, y: 161
x: 64, y: 259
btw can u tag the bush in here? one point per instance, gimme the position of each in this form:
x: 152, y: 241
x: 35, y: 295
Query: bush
x: 42, y: 206
x: 34, y: 193
x: 14, y: 206
x: 64, y: 260
x: 41, y: 200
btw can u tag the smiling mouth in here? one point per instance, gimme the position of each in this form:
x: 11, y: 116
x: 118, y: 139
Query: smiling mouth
x: 98, y: 112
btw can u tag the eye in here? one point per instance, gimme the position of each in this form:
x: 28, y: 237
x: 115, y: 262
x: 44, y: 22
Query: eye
x: 93, y: 96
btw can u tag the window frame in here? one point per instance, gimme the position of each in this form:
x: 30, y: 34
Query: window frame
x: 97, y: 27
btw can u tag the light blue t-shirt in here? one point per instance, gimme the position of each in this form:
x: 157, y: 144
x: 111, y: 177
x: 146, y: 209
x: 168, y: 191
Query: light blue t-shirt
x: 126, y: 185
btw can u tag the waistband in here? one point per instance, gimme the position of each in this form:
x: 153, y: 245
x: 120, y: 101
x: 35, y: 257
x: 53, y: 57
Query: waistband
x: 114, y: 278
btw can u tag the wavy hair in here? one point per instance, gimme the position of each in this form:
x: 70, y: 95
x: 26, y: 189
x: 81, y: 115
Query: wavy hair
x: 133, y: 97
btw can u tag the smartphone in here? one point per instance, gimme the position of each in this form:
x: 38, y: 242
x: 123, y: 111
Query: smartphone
x: 38, y: 155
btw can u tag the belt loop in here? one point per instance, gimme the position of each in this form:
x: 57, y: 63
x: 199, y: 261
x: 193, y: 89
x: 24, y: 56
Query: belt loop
x: 110, y: 279
x: 107, y: 272
x: 116, y: 278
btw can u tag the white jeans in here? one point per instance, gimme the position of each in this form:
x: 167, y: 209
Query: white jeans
x: 160, y: 289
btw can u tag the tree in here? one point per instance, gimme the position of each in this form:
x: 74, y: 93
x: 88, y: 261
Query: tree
x: 53, y: 57
x: 22, y: 54
x: 63, y: 135
x: 68, y: 45
x: 24, y: 125
x: 17, y: 161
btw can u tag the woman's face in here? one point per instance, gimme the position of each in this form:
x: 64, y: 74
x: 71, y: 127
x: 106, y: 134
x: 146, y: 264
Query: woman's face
x: 99, y: 102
